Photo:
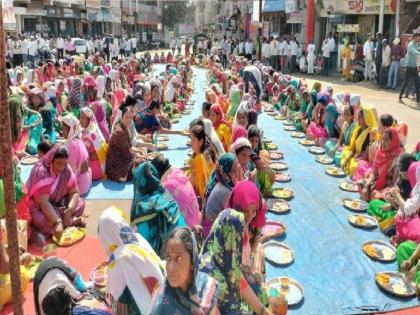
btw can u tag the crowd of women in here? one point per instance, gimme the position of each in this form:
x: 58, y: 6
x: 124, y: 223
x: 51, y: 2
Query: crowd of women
x: 192, y: 243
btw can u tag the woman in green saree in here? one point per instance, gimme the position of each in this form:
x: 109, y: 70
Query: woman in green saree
x: 154, y: 212
x: 408, y: 257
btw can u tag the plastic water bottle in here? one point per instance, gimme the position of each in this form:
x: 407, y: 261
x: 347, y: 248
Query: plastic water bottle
x: 155, y: 139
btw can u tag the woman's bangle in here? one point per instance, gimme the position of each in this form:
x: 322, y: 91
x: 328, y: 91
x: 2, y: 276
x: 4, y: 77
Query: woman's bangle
x: 59, y: 221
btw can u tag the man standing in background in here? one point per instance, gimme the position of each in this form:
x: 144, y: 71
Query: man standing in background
x: 294, y: 50
x: 378, y: 57
x: 368, y: 54
x: 59, y: 45
x: 411, y: 73
x: 386, y: 63
x: 274, y: 49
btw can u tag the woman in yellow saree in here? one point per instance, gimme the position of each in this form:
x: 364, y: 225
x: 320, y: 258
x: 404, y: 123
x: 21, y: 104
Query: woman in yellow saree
x: 359, y: 143
x: 346, y: 56
x: 221, y: 126
x: 202, y: 162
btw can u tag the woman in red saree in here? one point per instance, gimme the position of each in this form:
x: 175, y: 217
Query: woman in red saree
x: 384, y: 171
x: 53, y: 195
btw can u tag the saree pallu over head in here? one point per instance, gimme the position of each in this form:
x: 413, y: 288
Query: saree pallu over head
x: 371, y: 119
x: 221, y: 173
x: 330, y: 119
x: 200, y: 297
x: 154, y: 211
x: 133, y: 264
x: 42, y: 178
x: 221, y: 258
x: 98, y: 109
x: 244, y: 194
x: 211, y: 133
x: 94, y: 134
x: 384, y: 159
x: 235, y: 100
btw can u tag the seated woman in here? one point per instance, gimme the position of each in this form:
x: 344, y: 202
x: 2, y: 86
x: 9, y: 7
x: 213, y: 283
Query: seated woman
x: 55, y: 201
x: 202, y: 162
x: 121, y: 159
x: 59, y: 289
x: 364, y: 167
x: 305, y: 101
x: 94, y: 141
x: 162, y: 57
x: 147, y: 123
x: 78, y: 155
x: 331, y: 126
x: 408, y: 216
x: 385, y: 168
x: 179, y: 186
x: 224, y: 177
x: 221, y: 126
x: 243, y: 151
x: 169, y: 58
x: 137, y: 272
x: 48, y: 113
x: 230, y: 235
x: 385, y: 209
x: 261, y: 161
x: 212, y: 136
x: 187, y: 290
x: 31, y: 127
x: 154, y: 212
x: 172, y: 95
x: 241, y: 118
x: 291, y: 107
x: 347, y: 136
x: 408, y: 257
x: 156, y: 58
x: 316, y: 129
x: 350, y: 156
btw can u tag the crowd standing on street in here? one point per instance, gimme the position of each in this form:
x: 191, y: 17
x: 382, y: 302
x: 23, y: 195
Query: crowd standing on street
x: 106, y: 114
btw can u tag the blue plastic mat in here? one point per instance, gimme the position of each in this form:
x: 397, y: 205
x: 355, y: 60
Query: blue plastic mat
x: 338, y: 278
x: 177, y: 151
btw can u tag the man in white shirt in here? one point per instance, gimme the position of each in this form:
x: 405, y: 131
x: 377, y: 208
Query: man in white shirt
x: 224, y: 48
x: 368, y: 54
x: 274, y: 52
x: 310, y: 57
x: 248, y: 49
x: 127, y: 47
x: 326, y: 52
x: 89, y: 47
x: 133, y: 44
x: 386, y: 63
x: 17, y: 52
x: 241, y: 48
x: 172, y: 45
x: 253, y: 75
x: 59, y: 45
x: 266, y: 52
x: 294, y: 50
x: 282, y: 51
x: 24, y: 49
x: 179, y: 45
x: 33, y: 46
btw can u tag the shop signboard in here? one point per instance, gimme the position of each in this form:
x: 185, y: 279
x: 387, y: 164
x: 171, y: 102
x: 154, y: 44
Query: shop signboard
x: 105, y: 3
x: 9, y: 15
x: 185, y: 28
x: 348, y: 28
x: 295, y: 17
x: 359, y: 6
x: 94, y: 4
x: 291, y: 6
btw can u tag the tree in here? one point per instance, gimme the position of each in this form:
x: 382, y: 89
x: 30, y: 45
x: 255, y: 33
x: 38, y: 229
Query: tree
x: 175, y: 12
x: 7, y: 171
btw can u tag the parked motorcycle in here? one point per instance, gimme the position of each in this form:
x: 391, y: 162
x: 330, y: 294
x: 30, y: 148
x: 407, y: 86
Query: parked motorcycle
x: 357, y: 70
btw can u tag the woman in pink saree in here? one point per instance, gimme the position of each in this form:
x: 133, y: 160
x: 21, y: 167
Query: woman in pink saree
x: 54, y: 199
x: 408, y: 215
x: 78, y: 155
x: 179, y: 186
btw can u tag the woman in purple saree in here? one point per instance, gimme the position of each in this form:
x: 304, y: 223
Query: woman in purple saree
x: 54, y: 198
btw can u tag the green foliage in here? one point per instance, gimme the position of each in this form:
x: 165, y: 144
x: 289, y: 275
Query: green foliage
x: 176, y: 11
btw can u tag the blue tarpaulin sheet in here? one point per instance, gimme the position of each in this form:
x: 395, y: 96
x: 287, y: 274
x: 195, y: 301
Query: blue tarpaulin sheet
x: 338, y: 278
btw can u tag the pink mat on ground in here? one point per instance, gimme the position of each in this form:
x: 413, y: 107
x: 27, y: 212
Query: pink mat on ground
x: 83, y: 256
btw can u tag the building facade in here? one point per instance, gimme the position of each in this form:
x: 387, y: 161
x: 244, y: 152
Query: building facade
x: 86, y: 17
